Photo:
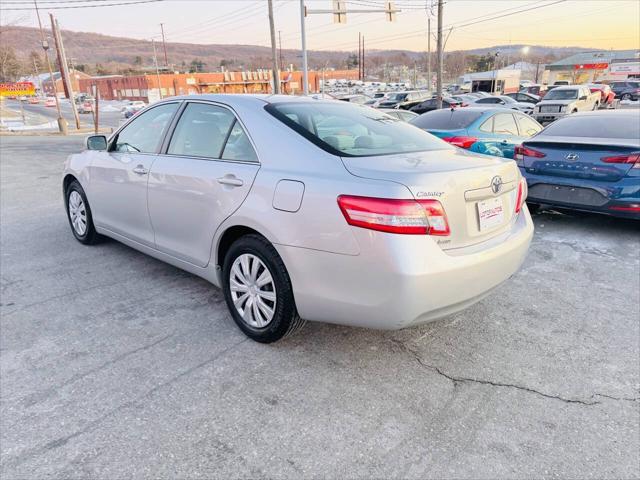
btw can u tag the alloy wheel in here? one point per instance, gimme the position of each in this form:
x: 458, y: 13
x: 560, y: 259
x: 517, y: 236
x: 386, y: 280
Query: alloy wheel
x: 253, y: 290
x: 77, y: 213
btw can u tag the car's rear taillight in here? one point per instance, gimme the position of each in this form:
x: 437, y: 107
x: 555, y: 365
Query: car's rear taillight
x: 521, y: 151
x: 461, y: 141
x: 522, y: 194
x: 632, y: 158
x: 409, y: 217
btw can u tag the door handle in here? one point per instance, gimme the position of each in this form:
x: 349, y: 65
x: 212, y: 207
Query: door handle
x: 230, y: 180
x: 140, y: 170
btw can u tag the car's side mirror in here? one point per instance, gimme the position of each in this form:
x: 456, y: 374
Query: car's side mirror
x: 584, y: 97
x: 97, y: 142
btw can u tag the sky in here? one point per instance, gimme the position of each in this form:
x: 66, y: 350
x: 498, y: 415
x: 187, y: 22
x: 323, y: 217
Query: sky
x: 597, y: 24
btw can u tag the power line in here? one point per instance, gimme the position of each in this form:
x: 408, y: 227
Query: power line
x: 54, y: 7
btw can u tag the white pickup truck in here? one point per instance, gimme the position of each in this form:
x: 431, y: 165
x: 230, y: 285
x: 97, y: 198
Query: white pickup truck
x: 563, y: 101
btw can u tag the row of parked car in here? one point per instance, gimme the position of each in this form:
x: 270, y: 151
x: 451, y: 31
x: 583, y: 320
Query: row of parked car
x: 587, y: 161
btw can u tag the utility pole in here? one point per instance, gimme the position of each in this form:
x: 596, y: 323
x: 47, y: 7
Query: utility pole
x: 280, y: 50
x: 35, y: 69
x: 439, y: 68
x: 429, y: 81
x: 359, y: 56
x: 164, y: 45
x: 274, y: 53
x: 155, y: 61
x: 363, y: 72
x: 62, y: 123
x: 305, y: 72
x: 64, y: 70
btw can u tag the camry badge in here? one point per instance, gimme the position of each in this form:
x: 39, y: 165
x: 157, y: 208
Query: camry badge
x: 496, y: 184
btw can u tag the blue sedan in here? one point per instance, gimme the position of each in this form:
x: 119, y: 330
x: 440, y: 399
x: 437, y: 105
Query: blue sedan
x: 586, y: 161
x: 488, y: 130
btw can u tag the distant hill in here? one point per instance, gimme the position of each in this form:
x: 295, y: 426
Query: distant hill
x: 111, y: 54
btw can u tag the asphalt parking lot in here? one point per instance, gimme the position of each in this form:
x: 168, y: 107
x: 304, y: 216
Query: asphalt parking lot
x: 115, y: 365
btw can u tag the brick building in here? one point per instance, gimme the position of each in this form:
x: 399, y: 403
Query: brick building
x: 150, y: 88
x: 47, y: 86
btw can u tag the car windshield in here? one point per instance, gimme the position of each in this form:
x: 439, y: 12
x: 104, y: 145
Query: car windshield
x: 601, y: 126
x: 396, y: 97
x: 351, y: 130
x: 508, y: 99
x: 446, y: 119
x: 556, y: 94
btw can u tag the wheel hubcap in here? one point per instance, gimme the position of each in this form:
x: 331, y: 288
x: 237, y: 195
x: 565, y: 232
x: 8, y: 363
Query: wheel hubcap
x: 252, y: 290
x: 77, y: 213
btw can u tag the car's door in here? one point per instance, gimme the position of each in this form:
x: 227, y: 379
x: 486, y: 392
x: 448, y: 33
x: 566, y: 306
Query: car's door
x: 118, y: 177
x: 203, y: 175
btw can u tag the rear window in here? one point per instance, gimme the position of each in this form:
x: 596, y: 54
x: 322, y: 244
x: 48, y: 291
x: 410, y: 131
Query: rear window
x: 569, y: 94
x: 446, y: 119
x: 350, y: 130
x: 601, y: 126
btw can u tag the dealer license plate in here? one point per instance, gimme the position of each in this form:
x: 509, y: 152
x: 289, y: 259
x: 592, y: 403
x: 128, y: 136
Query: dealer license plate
x: 491, y: 213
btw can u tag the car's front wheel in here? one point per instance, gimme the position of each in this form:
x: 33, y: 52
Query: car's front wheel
x: 79, y: 214
x: 626, y: 96
x: 258, y: 291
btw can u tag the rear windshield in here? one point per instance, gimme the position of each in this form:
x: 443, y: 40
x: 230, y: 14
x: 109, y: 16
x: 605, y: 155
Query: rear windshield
x: 601, y: 126
x: 562, y: 94
x: 446, y: 119
x: 351, y: 130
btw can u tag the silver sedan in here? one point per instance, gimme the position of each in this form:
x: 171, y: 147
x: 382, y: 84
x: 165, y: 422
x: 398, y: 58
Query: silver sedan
x: 304, y: 209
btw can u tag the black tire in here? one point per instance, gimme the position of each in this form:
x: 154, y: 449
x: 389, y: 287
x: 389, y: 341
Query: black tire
x: 626, y: 96
x: 90, y: 236
x: 286, y: 320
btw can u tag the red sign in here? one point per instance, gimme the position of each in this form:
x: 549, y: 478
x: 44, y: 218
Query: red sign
x: 591, y: 66
x: 17, y: 89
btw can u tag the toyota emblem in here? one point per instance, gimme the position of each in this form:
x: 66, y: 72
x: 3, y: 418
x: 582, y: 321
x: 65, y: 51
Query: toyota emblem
x: 496, y: 184
x: 572, y: 156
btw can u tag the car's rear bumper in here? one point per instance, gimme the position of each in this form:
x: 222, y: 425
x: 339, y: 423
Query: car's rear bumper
x: 398, y: 281
x: 620, y: 199
x: 547, y: 117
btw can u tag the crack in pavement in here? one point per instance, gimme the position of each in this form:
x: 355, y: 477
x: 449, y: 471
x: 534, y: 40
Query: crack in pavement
x: 456, y: 380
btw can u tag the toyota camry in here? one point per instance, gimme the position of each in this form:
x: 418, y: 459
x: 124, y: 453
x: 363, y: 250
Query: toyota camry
x: 304, y: 209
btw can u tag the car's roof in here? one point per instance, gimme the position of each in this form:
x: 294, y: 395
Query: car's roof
x: 567, y: 87
x: 248, y: 99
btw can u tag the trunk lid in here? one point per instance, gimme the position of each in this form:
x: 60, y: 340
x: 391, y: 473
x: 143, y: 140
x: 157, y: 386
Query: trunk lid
x: 578, y: 157
x: 460, y: 180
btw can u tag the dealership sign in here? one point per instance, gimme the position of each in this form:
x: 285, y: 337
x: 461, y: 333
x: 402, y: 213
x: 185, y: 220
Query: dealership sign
x: 591, y: 66
x: 17, y: 89
x: 626, y: 68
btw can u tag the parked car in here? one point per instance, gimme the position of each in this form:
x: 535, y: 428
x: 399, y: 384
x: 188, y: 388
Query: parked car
x: 34, y: 100
x: 404, y: 100
x: 432, y: 104
x: 503, y: 101
x: 628, y: 90
x: 359, y: 99
x: 487, y: 130
x: 524, y: 97
x: 607, y: 96
x: 465, y: 99
x: 87, y: 106
x: 404, y: 115
x: 563, y: 101
x: 562, y: 83
x: 50, y: 102
x: 535, y: 89
x: 351, y: 218
x: 131, y: 110
x: 587, y: 161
